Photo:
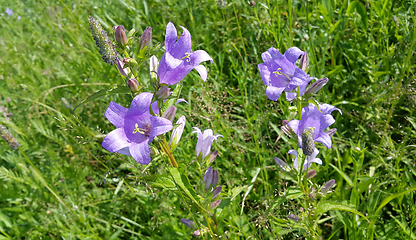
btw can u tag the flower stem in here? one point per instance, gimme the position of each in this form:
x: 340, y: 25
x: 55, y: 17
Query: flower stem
x: 166, y: 149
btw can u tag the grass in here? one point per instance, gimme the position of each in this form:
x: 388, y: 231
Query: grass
x: 62, y: 184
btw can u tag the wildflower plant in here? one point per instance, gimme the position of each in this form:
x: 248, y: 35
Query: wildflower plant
x: 287, y: 73
x: 142, y: 131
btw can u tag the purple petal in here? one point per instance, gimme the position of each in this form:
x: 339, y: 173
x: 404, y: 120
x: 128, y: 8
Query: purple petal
x: 292, y: 54
x: 181, y: 100
x: 116, y: 140
x: 273, y: 93
x: 182, y: 45
x: 271, y: 55
x: 171, y: 35
x: 216, y: 192
x: 140, y: 152
x: 200, y: 137
x: 208, y: 178
x: 215, y: 178
x: 299, y: 78
x: 290, y: 96
x: 125, y: 151
x: 327, y: 109
x: 159, y: 126
x: 295, y: 162
x: 140, y: 103
x: 188, y: 223
x: 202, y: 72
x: 215, y: 204
x: 115, y: 113
x: 198, y: 57
x: 155, y: 108
x: 325, y: 139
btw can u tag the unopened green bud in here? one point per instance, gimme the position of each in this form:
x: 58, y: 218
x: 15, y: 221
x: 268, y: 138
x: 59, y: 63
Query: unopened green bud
x: 133, y: 84
x: 170, y: 113
x: 163, y: 93
x: 120, y: 34
x: 131, y: 62
x: 308, y: 144
x: 146, y: 38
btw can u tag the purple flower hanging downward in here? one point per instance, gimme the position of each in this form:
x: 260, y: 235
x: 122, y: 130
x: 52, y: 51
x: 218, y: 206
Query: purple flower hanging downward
x: 313, y: 124
x: 205, y: 140
x: 178, y: 59
x: 280, y: 73
x: 136, y: 128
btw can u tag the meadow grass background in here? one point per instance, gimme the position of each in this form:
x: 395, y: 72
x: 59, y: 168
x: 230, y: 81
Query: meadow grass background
x: 61, y: 184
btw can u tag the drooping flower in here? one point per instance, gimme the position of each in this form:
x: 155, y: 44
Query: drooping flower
x: 280, y: 73
x: 314, y: 122
x: 178, y: 59
x: 136, y: 128
x: 177, y: 132
x: 205, y: 140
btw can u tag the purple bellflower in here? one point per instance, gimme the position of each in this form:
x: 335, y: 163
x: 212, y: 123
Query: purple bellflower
x: 178, y: 59
x: 136, y: 128
x: 313, y: 123
x: 9, y: 12
x: 280, y: 73
x: 205, y: 140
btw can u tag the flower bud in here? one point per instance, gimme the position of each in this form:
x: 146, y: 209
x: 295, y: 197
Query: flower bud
x: 146, y: 38
x: 163, y: 93
x: 331, y: 132
x: 316, y: 86
x: 308, y: 144
x: 188, y: 223
x: 169, y: 114
x: 177, y: 132
x: 293, y: 217
x: 304, y: 61
x: 215, y: 178
x: 120, y: 35
x: 216, y: 192
x: 213, y: 156
x: 215, y: 204
x: 208, y: 178
x: 123, y: 71
x: 328, y: 186
x: 133, y: 84
x: 282, y: 164
x: 311, y: 174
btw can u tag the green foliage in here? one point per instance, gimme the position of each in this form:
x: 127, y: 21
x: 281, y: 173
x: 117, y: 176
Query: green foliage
x: 61, y: 184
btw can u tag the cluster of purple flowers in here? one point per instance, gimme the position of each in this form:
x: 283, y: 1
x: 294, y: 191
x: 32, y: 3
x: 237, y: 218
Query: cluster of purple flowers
x: 281, y: 74
x: 138, y: 125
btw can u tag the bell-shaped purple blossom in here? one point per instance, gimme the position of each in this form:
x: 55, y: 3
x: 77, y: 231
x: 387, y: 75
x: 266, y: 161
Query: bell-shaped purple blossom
x: 316, y: 122
x: 205, y: 140
x: 280, y: 73
x: 136, y: 128
x: 178, y: 59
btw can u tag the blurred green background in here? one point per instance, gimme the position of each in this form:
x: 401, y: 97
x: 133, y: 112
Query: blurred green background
x: 61, y: 184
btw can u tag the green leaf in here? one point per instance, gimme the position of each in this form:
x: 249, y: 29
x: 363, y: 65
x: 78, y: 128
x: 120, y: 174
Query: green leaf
x: 256, y: 173
x: 293, y: 193
x: 363, y: 13
x: 104, y: 92
x: 165, y: 182
x: 344, y: 175
x: 116, y: 234
x: 183, y: 182
x: 237, y: 190
x: 324, y: 207
x: 119, y: 186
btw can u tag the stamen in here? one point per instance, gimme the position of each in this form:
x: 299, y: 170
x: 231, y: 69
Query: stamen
x: 278, y: 72
x: 187, y: 57
x: 138, y: 130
